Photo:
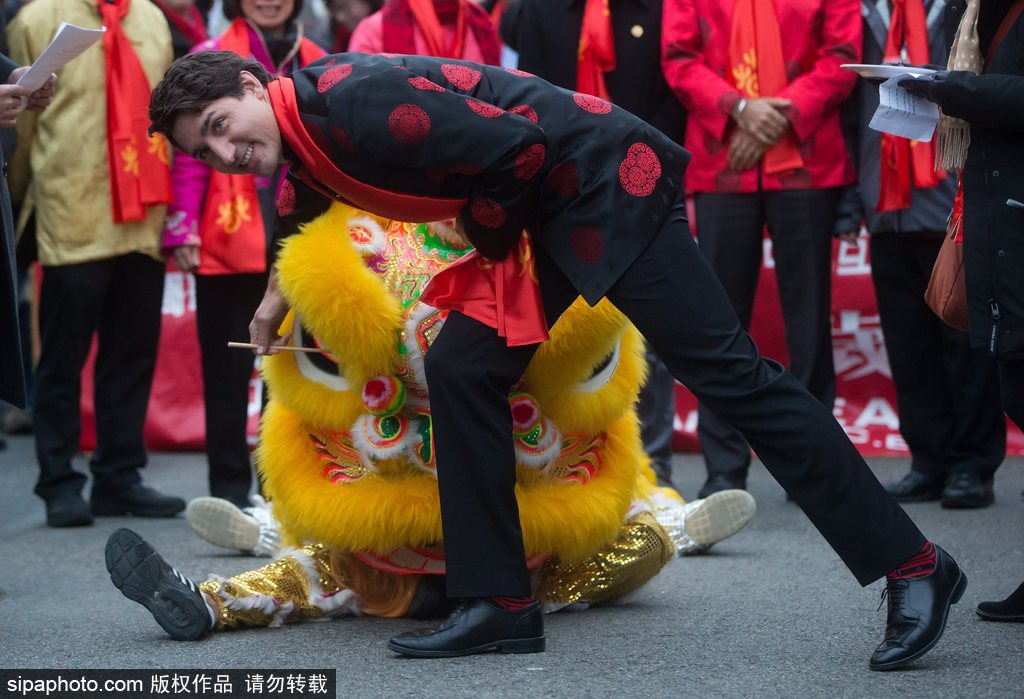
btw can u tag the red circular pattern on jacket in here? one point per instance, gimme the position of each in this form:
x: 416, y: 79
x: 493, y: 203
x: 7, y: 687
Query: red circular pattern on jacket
x: 462, y: 77
x: 484, y: 109
x: 587, y: 244
x: 564, y: 179
x: 286, y: 199
x: 331, y: 77
x: 423, y: 84
x: 529, y: 162
x: 520, y: 73
x: 487, y: 212
x: 594, y: 105
x: 525, y: 110
x: 409, y: 123
x: 640, y: 170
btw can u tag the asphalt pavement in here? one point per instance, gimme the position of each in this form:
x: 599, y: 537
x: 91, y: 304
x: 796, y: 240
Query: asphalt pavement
x: 771, y: 612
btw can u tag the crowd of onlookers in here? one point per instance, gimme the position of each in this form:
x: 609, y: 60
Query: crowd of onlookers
x: 754, y: 90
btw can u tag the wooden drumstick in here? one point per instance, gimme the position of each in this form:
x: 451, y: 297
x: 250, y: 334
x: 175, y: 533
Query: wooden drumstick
x: 285, y: 348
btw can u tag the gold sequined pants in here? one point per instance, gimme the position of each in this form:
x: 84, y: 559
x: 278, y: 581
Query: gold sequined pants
x: 313, y: 582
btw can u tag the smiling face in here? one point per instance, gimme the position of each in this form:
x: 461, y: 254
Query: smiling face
x: 270, y: 16
x: 238, y: 136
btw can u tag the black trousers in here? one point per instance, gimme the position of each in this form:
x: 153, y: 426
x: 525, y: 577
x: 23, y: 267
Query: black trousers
x: 119, y: 299
x: 674, y: 299
x: 1011, y: 382
x: 656, y: 409
x: 947, y: 394
x: 730, y: 234
x: 225, y: 304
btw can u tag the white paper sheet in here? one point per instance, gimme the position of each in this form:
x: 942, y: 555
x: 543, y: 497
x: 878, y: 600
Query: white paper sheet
x: 67, y: 44
x: 901, y: 114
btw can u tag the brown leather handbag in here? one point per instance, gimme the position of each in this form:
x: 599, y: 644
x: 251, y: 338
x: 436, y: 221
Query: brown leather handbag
x: 946, y: 294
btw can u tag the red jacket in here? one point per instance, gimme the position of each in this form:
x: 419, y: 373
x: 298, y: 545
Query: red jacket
x: 817, y: 36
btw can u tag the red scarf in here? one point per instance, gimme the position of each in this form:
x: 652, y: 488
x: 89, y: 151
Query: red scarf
x: 596, y: 53
x: 902, y: 157
x: 504, y: 295
x: 757, y: 69
x: 130, y: 151
x: 232, y: 228
x: 192, y: 28
x: 400, y: 19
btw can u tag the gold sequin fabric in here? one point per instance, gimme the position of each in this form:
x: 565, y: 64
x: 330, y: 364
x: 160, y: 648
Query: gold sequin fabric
x: 641, y: 550
x: 277, y: 591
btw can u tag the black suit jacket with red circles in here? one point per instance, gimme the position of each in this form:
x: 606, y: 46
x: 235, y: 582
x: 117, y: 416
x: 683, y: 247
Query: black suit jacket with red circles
x: 591, y: 182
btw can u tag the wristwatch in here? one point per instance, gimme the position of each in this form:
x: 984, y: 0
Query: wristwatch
x: 740, y: 106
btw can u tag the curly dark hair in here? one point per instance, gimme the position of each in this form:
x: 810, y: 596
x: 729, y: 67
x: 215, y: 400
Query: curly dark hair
x: 194, y: 81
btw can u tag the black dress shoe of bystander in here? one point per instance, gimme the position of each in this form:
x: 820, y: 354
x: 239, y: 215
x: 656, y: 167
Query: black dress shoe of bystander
x: 137, y: 499
x: 967, y: 490
x: 1010, y: 609
x: 918, y: 610
x: 68, y: 510
x: 476, y: 626
x: 915, y: 487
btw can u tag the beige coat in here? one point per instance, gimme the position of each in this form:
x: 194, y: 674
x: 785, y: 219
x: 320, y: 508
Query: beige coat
x: 59, y: 168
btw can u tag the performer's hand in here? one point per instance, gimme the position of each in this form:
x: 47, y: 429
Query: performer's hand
x: 41, y: 98
x: 929, y: 87
x: 12, y: 103
x: 186, y: 257
x: 744, y: 151
x: 763, y: 118
x: 268, y: 318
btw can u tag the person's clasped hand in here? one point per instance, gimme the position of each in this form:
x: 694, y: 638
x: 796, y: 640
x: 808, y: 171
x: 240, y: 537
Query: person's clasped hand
x: 927, y: 87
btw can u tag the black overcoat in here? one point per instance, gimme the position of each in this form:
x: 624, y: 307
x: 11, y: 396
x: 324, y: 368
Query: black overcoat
x: 12, y: 377
x: 590, y: 181
x: 546, y: 34
x: 993, y: 104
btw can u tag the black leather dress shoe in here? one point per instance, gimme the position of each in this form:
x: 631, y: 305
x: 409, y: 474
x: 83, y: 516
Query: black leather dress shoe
x: 476, y: 626
x: 966, y: 490
x: 138, y: 499
x: 143, y: 576
x: 917, y: 613
x: 915, y: 487
x: 1010, y: 609
x: 68, y: 510
x: 717, y: 482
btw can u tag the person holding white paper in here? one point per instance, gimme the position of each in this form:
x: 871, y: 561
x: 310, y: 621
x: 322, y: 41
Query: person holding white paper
x: 947, y: 394
x: 98, y: 187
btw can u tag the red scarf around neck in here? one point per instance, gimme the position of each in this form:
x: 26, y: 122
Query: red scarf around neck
x: 400, y: 19
x: 901, y: 157
x: 757, y: 69
x: 192, y: 27
x: 130, y: 151
x: 596, y: 53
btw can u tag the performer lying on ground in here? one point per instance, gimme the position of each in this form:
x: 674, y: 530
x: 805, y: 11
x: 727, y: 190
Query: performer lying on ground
x: 345, y: 453
x: 600, y: 193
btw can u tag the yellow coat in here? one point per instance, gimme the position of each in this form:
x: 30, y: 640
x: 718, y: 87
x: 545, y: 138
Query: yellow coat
x: 59, y: 168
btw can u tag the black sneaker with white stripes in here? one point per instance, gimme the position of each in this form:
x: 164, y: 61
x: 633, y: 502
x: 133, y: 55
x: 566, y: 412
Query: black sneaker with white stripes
x: 143, y: 576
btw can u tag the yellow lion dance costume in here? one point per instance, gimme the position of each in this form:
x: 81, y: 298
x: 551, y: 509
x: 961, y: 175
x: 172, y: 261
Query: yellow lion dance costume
x: 346, y: 450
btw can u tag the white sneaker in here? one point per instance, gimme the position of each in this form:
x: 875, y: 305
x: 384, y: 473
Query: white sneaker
x: 718, y: 516
x: 697, y: 525
x: 252, y: 530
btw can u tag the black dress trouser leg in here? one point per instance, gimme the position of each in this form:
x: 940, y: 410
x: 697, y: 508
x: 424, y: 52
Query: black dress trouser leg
x: 947, y: 393
x: 119, y: 299
x: 673, y: 297
x: 730, y: 234
x: 225, y: 304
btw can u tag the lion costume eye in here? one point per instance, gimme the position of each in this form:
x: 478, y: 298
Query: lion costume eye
x: 317, y: 366
x: 603, y: 371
